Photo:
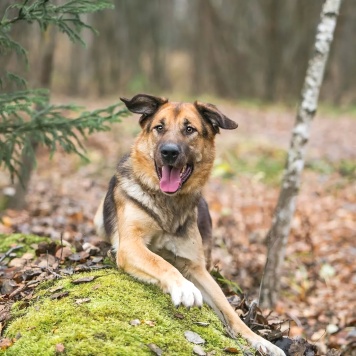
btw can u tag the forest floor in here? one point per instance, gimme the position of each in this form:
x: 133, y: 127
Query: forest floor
x: 318, y: 282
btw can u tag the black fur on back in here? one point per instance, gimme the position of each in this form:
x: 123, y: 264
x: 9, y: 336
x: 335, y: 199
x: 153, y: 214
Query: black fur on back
x: 109, y: 211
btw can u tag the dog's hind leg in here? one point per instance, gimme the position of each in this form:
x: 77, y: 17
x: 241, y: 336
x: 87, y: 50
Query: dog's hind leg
x: 99, y: 221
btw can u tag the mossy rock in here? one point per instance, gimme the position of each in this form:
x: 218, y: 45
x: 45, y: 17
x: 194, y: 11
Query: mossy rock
x: 102, y: 326
x: 26, y: 241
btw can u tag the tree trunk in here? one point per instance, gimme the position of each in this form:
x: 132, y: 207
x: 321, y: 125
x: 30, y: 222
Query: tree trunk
x: 278, y: 234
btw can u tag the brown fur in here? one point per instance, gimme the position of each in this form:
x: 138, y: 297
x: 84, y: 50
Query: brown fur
x: 159, y: 236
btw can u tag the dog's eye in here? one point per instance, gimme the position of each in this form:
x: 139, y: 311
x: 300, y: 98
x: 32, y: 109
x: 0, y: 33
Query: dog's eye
x: 189, y: 130
x: 159, y: 128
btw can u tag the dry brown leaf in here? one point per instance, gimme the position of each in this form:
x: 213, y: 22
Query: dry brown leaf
x: 17, y: 262
x: 5, y: 343
x: 231, y: 350
x: 83, y: 280
x: 59, y: 295
x: 63, y: 253
x: 56, y: 289
x: 179, y: 316
x: 83, y: 300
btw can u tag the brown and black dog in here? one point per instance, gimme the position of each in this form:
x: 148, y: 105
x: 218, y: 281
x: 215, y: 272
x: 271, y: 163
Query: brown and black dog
x: 154, y: 213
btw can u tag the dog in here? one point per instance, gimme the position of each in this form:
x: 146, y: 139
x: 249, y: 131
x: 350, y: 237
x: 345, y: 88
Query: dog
x: 154, y: 213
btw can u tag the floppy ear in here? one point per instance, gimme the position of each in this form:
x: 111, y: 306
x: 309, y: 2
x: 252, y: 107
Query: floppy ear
x: 216, y: 118
x: 144, y: 104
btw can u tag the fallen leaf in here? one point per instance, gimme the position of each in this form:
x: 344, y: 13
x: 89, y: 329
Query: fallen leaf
x: 155, y: 349
x: 179, y: 316
x: 7, y: 221
x: 8, y: 286
x: 28, y: 256
x: 59, y: 295
x: 68, y: 270
x: 17, y: 262
x: 318, y: 335
x: 193, y: 337
x: 45, y: 261
x: 231, y: 350
x: 199, y: 351
x: 46, y: 248
x: 56, y: 289
x: 30, y: 273
x: 5, y: 343
x: 63, y: 253
x: 150, y: 322
x: 83, y: 280
x: 80, y: 256
x: 60, y: 348
x: 83, y: 300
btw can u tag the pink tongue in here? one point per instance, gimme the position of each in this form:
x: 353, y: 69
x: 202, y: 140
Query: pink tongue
x: 170, y: 180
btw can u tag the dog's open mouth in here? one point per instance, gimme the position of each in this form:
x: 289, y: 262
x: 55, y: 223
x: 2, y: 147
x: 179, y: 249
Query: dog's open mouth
x: 172, y: 178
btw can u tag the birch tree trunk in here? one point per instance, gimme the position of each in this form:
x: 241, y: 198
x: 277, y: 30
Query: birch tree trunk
x: 278, y: 234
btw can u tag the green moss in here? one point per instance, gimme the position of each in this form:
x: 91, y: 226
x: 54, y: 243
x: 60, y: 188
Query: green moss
x: 102, y: 326
x: 8, y: 241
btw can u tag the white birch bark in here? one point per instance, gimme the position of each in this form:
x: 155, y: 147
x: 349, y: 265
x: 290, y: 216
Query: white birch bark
x: 279, y: 231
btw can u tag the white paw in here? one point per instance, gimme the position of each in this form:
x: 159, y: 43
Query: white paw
x: 267, y: 348
x: 185, y: 293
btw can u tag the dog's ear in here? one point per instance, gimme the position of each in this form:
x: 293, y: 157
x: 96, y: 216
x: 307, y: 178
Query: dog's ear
x: 215, y: 117
x: 144, y: 104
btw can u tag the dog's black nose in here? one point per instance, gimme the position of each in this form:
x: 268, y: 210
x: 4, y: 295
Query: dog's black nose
x: 169, y: 152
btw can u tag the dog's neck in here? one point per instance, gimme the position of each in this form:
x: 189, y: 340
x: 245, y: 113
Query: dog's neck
x: 171, y: 212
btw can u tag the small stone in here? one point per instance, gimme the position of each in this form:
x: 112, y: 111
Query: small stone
x: 194, y: 337
x: 135, y: 322
x: 198, y: 350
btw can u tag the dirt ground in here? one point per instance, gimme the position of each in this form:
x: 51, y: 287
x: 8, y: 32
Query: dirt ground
x: 318, y: 282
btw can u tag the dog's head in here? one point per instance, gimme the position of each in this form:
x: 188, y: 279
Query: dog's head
x: 175, y: 150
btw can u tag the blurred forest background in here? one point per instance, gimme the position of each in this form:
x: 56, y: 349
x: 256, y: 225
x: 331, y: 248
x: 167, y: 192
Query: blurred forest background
x: 256, y: 49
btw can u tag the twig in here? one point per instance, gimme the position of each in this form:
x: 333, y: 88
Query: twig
x: 60, y: 259
x: 54, y: 273
x: 9, y: 252
x: 17, y: 291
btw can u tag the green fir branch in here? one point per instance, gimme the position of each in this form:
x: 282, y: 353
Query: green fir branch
x: 47, y: 126
x: 26, y: 116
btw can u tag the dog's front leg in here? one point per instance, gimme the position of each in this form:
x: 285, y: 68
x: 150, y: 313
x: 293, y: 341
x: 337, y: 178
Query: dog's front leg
x: 214, y: 296
x: 135, y: 258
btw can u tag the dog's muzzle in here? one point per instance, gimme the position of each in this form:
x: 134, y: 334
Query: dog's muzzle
x: 172, y: 172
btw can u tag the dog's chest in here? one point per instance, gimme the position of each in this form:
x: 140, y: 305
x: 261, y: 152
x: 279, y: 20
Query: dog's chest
x: 170, y: 246
x: 174, y: 215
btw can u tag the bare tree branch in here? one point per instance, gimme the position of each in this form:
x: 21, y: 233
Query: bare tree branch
x: 279, y: 232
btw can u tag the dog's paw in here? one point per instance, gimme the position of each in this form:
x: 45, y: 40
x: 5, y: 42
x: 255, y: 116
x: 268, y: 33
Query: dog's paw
x: 267, y: 348
x: 185, y: 293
